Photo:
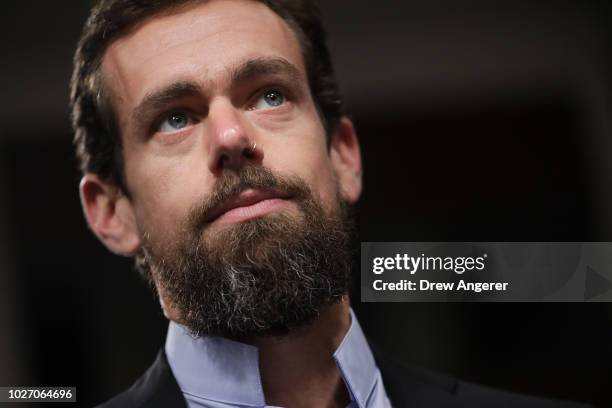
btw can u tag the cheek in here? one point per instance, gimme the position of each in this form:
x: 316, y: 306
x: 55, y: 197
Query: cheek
x: 327, y: 187
x: 308, y: 158
x: 163, y: 192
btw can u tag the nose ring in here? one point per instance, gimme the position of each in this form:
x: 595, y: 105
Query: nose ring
x: 254, y: 147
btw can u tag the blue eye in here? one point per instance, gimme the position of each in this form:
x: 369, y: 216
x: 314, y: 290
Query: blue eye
x: 175, y: 121
x: 270, y: 99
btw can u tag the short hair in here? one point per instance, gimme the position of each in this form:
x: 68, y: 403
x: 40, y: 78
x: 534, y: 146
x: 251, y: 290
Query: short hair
x: 97, y: 137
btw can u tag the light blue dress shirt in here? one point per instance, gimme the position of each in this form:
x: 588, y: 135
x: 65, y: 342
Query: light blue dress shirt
x: 214, y: 372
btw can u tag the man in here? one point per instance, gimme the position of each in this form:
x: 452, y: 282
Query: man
x: 215, y: 151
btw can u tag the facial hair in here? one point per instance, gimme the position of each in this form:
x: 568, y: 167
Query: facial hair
x: 264, y: 276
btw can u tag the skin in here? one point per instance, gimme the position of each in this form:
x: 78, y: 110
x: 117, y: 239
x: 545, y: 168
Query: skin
x: 169, y: 170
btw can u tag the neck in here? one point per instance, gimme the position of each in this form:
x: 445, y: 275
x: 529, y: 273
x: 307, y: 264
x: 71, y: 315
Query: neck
x: 298, y: 370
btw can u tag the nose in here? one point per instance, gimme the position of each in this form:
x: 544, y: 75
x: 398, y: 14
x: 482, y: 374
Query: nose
x: 230, y: 144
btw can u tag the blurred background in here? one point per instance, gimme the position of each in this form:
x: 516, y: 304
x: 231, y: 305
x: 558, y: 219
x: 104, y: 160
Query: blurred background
x: 479, y: 120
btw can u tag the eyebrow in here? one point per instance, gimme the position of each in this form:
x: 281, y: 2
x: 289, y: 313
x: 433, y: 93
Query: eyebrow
x: 160, y: 98
x: 253, y: 68
x: 248, y: 70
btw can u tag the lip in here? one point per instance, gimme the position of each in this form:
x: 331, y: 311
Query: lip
x: 248, y: 204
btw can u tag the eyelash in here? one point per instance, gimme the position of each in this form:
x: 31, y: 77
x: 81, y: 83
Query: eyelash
x: 273, y: 88
x: 156, y: 124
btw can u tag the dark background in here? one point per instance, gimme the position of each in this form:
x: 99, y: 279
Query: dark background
x: 479, y: 120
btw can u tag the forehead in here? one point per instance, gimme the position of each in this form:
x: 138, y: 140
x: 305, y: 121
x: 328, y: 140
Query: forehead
x: 200, y: 42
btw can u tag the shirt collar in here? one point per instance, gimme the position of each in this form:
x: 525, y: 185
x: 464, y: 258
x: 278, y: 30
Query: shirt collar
x: 222, y: 370
x: 356, y: 363
x: 214, y: 368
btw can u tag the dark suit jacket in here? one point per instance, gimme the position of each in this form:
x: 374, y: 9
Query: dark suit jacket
x: 406, y: 386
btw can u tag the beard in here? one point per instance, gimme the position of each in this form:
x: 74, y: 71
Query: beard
x: 264, y: 276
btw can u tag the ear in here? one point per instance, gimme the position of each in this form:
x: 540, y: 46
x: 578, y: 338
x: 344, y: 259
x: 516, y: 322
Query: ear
x: 346, y: 159
x: 110, y: 215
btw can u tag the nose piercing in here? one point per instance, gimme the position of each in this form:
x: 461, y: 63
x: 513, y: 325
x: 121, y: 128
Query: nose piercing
x: 254, y: 147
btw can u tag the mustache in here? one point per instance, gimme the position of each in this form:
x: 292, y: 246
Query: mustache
x: 233, y: 183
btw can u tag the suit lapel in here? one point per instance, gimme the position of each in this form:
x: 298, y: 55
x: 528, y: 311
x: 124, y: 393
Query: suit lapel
x: 158, y: 387
x: 405, y: 384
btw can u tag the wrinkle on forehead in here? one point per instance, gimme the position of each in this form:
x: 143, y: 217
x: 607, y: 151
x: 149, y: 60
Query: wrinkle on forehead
x: 195, y: 43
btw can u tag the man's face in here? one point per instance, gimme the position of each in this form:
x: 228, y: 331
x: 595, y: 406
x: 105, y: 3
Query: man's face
x: 175, y: 150
x: 215, y: 112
